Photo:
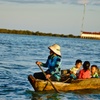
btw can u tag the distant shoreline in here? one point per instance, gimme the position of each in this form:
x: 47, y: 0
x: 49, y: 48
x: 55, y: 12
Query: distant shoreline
x: 27, y: 32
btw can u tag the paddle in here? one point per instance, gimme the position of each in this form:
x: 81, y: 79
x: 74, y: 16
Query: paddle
x: 49, y: 80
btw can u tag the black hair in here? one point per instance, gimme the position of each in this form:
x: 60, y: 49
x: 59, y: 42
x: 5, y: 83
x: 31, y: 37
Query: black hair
x: 78, y: 61
x: 95, y: 67
x: 86, y: 65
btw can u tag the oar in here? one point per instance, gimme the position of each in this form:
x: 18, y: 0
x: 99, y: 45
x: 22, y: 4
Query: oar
x: 49, y: 80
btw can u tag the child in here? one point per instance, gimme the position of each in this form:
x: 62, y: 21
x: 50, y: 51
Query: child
x: 85, y: 72
x: 74, y: 70
x: 72, y: 73
x: 94, y: 71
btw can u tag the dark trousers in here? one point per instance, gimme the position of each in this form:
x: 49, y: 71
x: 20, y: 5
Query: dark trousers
x: 39, y: 75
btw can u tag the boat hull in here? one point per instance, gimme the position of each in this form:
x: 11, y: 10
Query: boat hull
x: 43, y: 85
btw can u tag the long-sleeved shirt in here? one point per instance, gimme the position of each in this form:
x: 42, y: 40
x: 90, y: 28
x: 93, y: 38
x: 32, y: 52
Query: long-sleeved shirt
x: 53, y: 64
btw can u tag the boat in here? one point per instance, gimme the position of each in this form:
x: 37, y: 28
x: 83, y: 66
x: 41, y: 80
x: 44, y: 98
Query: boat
x: 91, y: 35
x: 88, y: 34
x: 79, y: 84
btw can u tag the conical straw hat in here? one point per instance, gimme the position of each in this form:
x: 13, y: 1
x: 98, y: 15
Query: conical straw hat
x: 55, y: 48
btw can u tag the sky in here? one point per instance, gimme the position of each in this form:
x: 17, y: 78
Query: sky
x: 50, y: 16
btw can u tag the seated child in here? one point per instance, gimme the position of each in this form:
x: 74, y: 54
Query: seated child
x: 72, y: 73
x: 85, y: 72
x: 74, y: 70
x: 94, y: 71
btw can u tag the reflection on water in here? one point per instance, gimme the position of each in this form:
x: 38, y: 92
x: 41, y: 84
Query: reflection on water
x: 87, y: 91
x: 75, y: 95
x: 50, y: 95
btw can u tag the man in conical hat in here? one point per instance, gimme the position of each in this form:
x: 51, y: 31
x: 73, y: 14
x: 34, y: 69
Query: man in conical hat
x: 53, y: 64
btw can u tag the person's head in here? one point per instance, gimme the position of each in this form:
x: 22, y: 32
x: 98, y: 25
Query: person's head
x: 55, y: 49
x: 78, y: 63
x: 94, y: 69
x: 86, y: 65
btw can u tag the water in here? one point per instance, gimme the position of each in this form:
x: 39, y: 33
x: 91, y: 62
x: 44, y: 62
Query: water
x: 18, y: 54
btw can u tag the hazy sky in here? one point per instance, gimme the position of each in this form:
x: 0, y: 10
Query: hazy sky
x: 50, y: 16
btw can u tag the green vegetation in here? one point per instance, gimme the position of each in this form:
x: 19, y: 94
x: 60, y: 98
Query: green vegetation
x: 27, y: 32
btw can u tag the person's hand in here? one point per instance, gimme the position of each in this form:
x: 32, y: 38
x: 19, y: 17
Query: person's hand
x: 38, y: 63
x: 48, y: 76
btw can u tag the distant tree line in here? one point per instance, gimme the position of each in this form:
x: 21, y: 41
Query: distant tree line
x: 27, y: 32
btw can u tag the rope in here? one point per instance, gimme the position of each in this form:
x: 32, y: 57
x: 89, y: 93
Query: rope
x: 83, y: 17
x: 66, y: 80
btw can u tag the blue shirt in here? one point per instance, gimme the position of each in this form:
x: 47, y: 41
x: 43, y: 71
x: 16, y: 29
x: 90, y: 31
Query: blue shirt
x: 53, y: 64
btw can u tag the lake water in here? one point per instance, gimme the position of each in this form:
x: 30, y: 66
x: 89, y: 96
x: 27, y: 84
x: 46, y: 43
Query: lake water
x: 18, y: 54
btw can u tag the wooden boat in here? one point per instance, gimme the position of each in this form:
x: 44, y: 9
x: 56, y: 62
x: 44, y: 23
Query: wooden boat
x: 44, y: 85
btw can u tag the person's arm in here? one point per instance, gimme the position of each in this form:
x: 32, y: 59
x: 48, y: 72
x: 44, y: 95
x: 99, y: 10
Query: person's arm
x: 39, y: 63
x: 43, y: 64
